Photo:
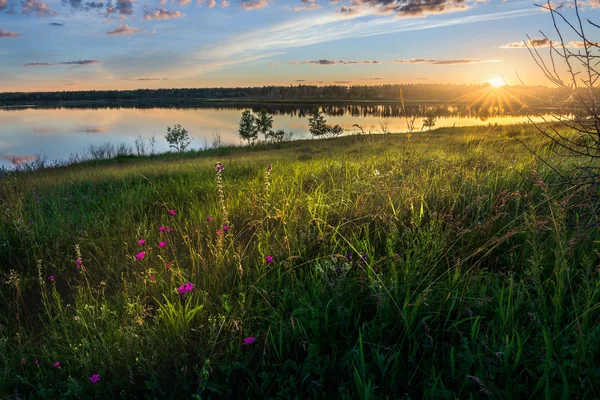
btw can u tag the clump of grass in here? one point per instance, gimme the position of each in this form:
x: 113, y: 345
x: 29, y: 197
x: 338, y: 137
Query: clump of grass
x: 439, y: 268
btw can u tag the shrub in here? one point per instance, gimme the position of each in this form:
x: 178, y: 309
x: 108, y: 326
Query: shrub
x: 178, y: 138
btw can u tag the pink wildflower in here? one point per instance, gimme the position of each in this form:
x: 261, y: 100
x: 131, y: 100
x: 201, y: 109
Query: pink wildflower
x: 210, y: 219
x: 152, y: 277
x: 142, y: 242
x: 219, y: 232
x: 57, y: 364
x: 76, y: 318
x: 162, y: 228
x: 51, y: 278
x: 186, y: 287
x: 79, y: 261
x: 269, y: 259
x: 36, y: 362
x: 248, y: 341
x: 169, y: 229
x: 140, y: 255
x: 95, y: 378
x: 172, y: 212
x: 162, y: 244
x: 168, y: 265
x: 226, y: 228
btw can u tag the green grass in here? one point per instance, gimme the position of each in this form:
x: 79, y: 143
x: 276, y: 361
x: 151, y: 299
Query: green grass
x: 479, y: 279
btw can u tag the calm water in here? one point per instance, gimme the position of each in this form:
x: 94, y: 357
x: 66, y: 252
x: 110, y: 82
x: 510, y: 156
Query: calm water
x: 58, y: 133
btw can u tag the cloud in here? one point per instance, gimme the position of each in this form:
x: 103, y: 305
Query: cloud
x: 267, y: 42
x: 162, y: 14
x: 413, y: 8
x: 253, y: 4
x: 6, y: 34
x: 76, y: 62
x: 225, y: 3
x: 543, y: 42
x: 147, y: 79
x: 3, y: 4
x: 347, y: 11
x: 342, y: 82
x: 122, y: 7
x: 56, y: 24
x: 308, y: 6
x: 273, y: 63
x: 37, y: 7
x: 407, y: 61
x: 124, y: 30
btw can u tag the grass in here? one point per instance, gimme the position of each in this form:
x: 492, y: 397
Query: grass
x: 443, y: 265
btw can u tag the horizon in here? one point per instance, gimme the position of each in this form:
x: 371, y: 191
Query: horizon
x: 485, y: 84
x: 72, y: 45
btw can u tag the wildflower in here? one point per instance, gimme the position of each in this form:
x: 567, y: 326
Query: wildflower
x: 248, y: 341
x: 153, y: 278
x: 186, y: 287
x: 36, y: 362
x: 210, y: 219
x: 76, y: 318
x: 169, y: 229
x: 168, y: 265
x: 51, y: 278
x: 162, y: 228
x: 141, y: 242
x: 219, y: 232
x: 57, y: 364
x: 270, y: 167
x: 349, y: 256
x: 226, y: 228
x: 162, y: 244
x: 364, y: 257
x: 79, y: 261
x: 140, y: 255
x: 269, y: 259
x: 172, y: 212
x: 220, y: 168
x: 95, y: 378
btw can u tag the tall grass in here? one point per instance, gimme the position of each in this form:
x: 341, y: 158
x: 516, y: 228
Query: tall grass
x: 447, y: 266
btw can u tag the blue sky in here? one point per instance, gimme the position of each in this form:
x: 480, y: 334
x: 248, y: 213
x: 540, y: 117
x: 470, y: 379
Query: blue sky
x: 127, y: 44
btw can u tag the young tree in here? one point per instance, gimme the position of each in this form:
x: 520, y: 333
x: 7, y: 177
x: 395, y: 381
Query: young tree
x: 317, y: 123
x: 277, y: 135
x: 572, y: 67
x: 178, y: 138
x: 248, y: 129
x: 429, y: 121
x: 264, y: 123
x: 336, y: 130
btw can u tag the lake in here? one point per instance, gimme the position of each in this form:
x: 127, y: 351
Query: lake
x: 61, y: 132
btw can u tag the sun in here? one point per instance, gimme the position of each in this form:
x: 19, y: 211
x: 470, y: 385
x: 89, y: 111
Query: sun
x: 497, y: 82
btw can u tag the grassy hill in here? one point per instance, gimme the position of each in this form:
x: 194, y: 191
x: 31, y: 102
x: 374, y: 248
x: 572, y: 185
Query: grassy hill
x: 443, y: 265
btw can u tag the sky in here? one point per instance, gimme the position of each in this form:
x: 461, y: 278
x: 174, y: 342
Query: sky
x: 56, y: 45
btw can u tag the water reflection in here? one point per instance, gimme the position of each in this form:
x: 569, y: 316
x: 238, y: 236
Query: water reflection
x: 58, y: 132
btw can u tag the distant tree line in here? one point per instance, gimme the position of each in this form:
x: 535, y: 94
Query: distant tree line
x: 410, y: 92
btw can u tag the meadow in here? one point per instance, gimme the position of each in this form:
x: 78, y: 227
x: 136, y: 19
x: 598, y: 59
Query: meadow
x: 440, y: 265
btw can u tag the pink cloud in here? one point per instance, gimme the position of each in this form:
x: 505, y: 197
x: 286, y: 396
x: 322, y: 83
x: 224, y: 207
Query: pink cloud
x: 6, y: 34
x: 124, y: 30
